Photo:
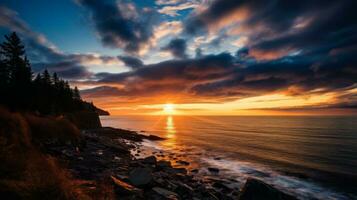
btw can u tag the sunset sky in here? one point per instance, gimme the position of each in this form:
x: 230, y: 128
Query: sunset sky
x: 203, y: 57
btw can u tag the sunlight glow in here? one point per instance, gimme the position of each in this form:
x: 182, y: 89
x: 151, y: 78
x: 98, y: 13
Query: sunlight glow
x: 169, y: 109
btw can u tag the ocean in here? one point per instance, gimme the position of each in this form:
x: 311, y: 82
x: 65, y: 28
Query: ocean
x: 313, y: 157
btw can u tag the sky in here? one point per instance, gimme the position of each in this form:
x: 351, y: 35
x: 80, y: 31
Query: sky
x: 204, y: 57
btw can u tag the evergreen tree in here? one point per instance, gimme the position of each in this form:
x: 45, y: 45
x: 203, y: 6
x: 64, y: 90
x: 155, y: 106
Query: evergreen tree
x: 4, y: 73
x: 55, y: 80
x: 45, y: 93
x: 46, y: 78
x: 19, y: 67
x: 76, y: 94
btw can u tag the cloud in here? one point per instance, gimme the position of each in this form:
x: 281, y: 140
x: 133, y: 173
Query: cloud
x: 165, y: 29
x: 167, y: 2
x: 121, y: 25
x: 223, y: 77
x: 66, y: 69
x: 43, y: 54
x: 177, y: 47
x: 131, y: 62
x: 276, y: 29
x: 173, y: 10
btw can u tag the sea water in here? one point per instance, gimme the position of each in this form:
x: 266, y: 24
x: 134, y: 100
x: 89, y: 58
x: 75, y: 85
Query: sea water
x: 310, y: 157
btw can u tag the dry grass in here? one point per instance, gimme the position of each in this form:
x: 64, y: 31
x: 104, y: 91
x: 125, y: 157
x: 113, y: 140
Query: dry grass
x: 50, y: 128
x: 27, y: 173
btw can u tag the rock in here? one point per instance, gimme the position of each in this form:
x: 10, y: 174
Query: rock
x: 150, y: 160
x: 213, y: 170
x: 185, y: 191
x: 177, y: 170
x: 258, y: 190
x: 165, y: 193
x: 163, y: 164
x: 154, y: 137
x: 123, y: 188
x: 194, y: 171
x: 140, y: 176
x: 182, y: 162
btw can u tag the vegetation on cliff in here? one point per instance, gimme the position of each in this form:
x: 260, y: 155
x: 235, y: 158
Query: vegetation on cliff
x: 45, y: 93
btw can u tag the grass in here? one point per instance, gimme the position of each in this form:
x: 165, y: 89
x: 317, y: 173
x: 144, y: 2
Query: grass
x: 28, y: 173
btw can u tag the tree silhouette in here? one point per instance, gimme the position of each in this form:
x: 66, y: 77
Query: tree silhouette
x: 45, y: 94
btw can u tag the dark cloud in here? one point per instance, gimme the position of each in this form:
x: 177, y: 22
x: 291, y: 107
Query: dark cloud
x: 278, y: 28
x: 121, y: 25
x: 66, y: 69
x: 177, y: 47
x: 131, y: 62
x: 225, y: 77
x: 44, y: 55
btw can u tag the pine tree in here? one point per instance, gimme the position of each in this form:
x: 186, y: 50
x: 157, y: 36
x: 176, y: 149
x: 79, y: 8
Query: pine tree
x: 4, y: 73
x: 13, y: 52
x: 76, y: 94
x: 55, y: 79
x: 46, y: 78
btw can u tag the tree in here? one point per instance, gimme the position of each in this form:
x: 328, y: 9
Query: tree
x: 46, y: 93
x: 4, y: 73
x: 46, y: 78
x: 55, y: 80
x: 15, y: 60
x: 76, y: 94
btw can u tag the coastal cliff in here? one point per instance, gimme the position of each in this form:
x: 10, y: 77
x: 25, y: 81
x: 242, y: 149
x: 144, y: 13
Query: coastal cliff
x: 98, y: 163
x: 84, y: 119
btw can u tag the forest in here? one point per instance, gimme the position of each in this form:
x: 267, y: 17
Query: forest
x: 44, y: 93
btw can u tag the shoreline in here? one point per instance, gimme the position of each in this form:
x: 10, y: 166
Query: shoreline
x: 105, y: 154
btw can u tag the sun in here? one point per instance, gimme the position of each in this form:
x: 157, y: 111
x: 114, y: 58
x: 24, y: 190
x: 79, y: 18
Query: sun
x: 169, y: 109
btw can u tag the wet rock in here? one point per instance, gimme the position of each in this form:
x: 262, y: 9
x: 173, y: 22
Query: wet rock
x: 150, y: 160
x: 122, y: 188
x: 177, y: 170
x: 169, y: 195
x: 140, y: 176
x: 258, y: 190
x: 154, y: 137
x: 213, y: 170
x: 185, y: 191
x: 182, y: 162
x: 163, y: 164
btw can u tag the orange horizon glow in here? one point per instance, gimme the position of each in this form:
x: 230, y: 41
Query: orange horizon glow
x: 272, y: 104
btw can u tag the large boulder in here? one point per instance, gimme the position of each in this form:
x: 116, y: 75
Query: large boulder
x: 140, y: 176
x: 258, y: 190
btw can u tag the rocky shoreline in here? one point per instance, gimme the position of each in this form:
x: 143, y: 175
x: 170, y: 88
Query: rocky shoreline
x: 104, y: 155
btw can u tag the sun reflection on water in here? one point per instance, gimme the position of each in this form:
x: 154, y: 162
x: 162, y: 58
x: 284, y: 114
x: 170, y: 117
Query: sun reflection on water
x: 170, y: 132
x: 170, y: 127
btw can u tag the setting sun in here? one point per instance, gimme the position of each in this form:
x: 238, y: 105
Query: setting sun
x: 169, y: 109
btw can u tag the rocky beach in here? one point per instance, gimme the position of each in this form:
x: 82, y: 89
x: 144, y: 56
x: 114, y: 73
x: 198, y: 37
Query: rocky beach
x: 110, y: 156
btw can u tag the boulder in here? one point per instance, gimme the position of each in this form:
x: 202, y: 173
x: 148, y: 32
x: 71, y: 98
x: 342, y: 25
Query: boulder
x: 176, y: 170
x: 140, y: 176
x: 163, y: 164
x: 213, y: 170
x: 122, y: 188
x: 258, y: 190
x: 151, y: 160
x: 165, y: 193
x: 182, y: 162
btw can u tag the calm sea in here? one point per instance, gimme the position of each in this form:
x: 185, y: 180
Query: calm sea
x: 311, y: 157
